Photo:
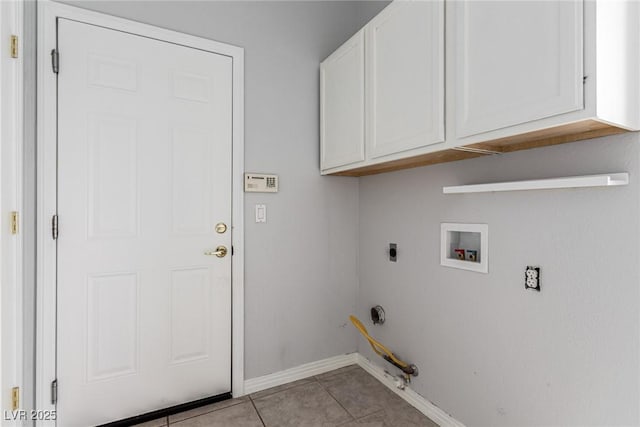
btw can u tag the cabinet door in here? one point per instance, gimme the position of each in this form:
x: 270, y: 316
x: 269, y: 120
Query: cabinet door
x: 342, y: 105
x: 405, y: 66
x: 516, y: 61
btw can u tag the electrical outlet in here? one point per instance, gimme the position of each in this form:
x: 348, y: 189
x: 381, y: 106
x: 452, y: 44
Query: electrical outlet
x: 532, y: 278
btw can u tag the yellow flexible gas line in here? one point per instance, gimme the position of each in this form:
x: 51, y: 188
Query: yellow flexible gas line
x: 375, y: 345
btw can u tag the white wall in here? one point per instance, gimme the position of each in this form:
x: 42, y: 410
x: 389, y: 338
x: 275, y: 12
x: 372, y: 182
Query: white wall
x: 301, y: 266
x: 490, y: 352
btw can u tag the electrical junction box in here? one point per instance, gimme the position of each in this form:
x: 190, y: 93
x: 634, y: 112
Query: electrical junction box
x: 260, y: 183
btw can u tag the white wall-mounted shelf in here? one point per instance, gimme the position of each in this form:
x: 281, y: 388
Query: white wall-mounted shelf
x: 605, y: 180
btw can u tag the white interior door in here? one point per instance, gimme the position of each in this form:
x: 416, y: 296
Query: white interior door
x: 144, y: 174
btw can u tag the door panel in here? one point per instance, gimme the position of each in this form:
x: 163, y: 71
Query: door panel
x: 144, y: 173
x: 112, y: 325
x: 191, y: 180
x: 190, y: 314
x: 516, y: 61
x: 113, y: 171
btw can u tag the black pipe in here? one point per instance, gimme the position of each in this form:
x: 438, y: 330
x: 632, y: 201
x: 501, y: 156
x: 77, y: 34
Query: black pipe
x: 409, y: 370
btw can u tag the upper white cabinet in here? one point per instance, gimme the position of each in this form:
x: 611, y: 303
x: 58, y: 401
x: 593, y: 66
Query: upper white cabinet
x: 404, y: 92
x: 516, y: 61
x: 405, y: 77
x: 342, y: 105
x: 455, y: 79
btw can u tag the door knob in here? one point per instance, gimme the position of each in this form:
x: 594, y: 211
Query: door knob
x: 220, y: 252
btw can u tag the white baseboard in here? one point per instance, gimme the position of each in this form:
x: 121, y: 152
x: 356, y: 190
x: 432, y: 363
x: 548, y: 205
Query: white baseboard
x: 321, y: 366
x: 414, y: 399
x: 299, y: 372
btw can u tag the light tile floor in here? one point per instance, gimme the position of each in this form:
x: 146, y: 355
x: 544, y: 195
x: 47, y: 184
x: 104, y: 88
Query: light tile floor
x: 346, y: 397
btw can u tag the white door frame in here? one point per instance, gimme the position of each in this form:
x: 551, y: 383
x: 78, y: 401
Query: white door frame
x: 11, y: 189
x: 48, y: 12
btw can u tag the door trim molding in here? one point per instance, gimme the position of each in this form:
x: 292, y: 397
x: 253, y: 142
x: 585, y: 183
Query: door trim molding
x: 48, y: 12
x: 11, y: 200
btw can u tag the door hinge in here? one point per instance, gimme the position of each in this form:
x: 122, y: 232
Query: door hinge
x: 54, y: 227
x: 14, y: 222
x: 15, y: 398
x: 55, y: 60
x: 14, y: 46
x: 54, y: 392
x: 584, y: 79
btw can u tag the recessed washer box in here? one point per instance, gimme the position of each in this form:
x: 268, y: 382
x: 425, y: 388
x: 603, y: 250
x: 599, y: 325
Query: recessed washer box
x: 465, y: 246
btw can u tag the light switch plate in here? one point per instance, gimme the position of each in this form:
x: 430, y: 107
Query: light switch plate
x: 261, y: 213
x: 260, y: 183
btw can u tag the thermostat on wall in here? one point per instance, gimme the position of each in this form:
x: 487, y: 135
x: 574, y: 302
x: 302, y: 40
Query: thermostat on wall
x: 260, y: 183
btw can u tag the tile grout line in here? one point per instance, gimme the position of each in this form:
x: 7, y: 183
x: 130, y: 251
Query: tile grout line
x: 257, y: 411
x: 320, y: 381
x: 277, y: 392
x: 310, y: 378
x: 204, y: 413
x: 353, y: 418
x: 371, y: 414
x: 339, y: 403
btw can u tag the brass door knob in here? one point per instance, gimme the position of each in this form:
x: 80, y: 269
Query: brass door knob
x: 220, y: 252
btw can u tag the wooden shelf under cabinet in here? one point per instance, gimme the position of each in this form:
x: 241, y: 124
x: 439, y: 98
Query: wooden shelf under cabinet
x: 582, y: 130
